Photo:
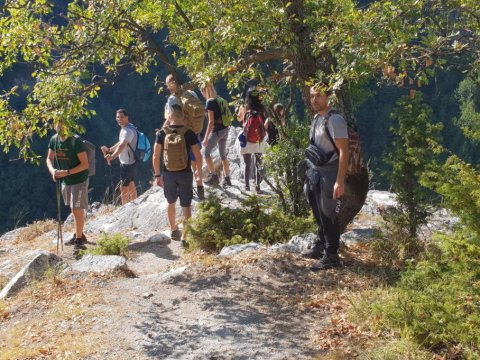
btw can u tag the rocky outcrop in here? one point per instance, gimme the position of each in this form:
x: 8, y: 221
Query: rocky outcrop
x: 41, y: 263
x: 101, y: 264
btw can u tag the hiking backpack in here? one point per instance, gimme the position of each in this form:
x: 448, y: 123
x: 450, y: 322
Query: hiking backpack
x: 254, y: 128
x: 143, y: 149
x: 89, y: 149
x: 194, y: 111
x: 226, y: 117
x: 355, y: 157
x: 175, y: 155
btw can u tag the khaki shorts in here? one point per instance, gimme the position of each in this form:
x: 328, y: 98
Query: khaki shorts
x: 76, y: 196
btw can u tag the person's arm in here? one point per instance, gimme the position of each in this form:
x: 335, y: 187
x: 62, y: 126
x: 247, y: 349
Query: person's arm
x: 198, y: 158
x: 117, y: 150
x: 339, y: 187
x: 157, y: 153
x: 211, y: 121
x: 49, y: 161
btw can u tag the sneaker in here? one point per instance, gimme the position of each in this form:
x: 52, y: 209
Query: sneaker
x: 176, y: 235
x: 211, y: 180
x: 226, y: 181
x: 258, y: 190
x: 247, y: 187
x: 328, y: 261
x: 316, y: 252
x: 71, y: 241
x: 200, y: 192
x: 78, y: 246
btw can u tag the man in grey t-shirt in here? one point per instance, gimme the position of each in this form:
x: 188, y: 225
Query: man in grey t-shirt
x: 329, y: 132
x: 123, y: 149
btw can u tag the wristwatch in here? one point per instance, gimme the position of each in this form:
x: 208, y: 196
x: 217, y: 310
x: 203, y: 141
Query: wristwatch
x: 157, y: 176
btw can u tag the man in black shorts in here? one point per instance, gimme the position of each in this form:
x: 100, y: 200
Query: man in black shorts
x: 173, y: 144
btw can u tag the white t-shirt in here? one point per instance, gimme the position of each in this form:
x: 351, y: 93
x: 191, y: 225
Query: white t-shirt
x: 126, y: 156
x: 337, y: 127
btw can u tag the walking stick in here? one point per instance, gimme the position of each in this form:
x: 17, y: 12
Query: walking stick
x: 59, y: 211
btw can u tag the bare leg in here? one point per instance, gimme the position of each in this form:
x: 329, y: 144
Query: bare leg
x: 226, y: 167
x: 187, y: 214
x: 128, y: 193
x: 171, y: 213
x: 210, y: 165
x: 79, y: 220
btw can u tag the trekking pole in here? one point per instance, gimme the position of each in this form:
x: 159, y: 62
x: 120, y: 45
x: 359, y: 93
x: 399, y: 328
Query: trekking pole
x: 59, y: 211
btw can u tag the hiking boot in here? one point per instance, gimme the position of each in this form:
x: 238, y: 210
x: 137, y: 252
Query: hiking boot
x: 212, y: 179
x: 226, y: 181
x: 176, y: 235
x: 184, y: 244
x: 258, y: 190
x: 316, y: 252
x: 328, y: 261
x: 247, y: 187
x: 78, y: 246
x: 200, y: 192
x: 71, y: 241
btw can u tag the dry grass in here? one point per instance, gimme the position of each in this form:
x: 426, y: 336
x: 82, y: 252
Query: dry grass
x: 32, y: 231
x: 52, y: 319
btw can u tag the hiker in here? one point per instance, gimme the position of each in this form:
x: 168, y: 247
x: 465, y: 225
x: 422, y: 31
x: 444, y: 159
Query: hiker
x: 194, y: 117
x: 251, y: 114
x: 172, y: 145
x: 326, y: 177
x: 216, y: 134
x: 123, y: 149
x: 67, y: 162
x: 271, y: 124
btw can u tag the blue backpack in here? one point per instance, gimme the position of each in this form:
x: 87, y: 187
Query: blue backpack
x: 143, y: 149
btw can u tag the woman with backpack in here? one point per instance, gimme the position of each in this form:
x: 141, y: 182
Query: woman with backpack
x: 216, y: 134
x: 252, y: 116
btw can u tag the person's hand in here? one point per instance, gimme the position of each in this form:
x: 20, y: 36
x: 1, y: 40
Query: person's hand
x: 105, y: 150
x: 338, y: 190
x: 108, y: 157
x: 60, y: 174
x: 205, y: 142
x: 159, y: 181
x: 54, y: 176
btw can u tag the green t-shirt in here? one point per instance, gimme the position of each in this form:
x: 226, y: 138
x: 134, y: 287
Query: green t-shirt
x: 66, y: 158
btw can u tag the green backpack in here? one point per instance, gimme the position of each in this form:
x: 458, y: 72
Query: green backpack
x: 227, y: 117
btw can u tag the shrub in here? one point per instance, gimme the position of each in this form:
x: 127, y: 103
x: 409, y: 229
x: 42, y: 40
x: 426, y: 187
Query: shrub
x: 437, y: 302
x: 258, y: 220
x: 111, y: 244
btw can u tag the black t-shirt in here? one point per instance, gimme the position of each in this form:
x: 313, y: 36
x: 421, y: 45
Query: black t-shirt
x: 212, y: 105
x: 190, y: 139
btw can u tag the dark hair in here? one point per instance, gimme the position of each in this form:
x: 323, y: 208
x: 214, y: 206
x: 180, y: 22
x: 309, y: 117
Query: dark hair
x: 323, y: 88
x: 277, y: 107
x: 252, y: 100
x: 123, y: 111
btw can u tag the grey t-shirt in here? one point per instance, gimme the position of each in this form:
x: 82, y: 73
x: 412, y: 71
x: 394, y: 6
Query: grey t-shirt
x: 337, y: 126
x: 128, y: 133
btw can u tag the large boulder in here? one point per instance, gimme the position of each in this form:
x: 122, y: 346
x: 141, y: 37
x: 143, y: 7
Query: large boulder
x: 41, y: 263
x: 101, y: 264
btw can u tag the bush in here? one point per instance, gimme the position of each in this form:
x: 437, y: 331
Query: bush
x: 258, y: 220
x: 437, y: 302
x: 111, y: 244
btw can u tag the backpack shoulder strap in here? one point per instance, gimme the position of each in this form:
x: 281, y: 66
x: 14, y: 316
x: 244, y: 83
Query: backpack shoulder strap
x: 327, y: 118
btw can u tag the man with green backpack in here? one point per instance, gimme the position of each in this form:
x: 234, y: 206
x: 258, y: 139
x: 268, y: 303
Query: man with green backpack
x: 219, y: 121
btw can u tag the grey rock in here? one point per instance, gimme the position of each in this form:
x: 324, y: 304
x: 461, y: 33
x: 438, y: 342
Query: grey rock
x: 303, y: 242
x: 378, y: 201
x: 98, y: 264
x: 11, y: 235
x: 159, y: 238
x: 239, y: 248
x: 34, y: 270
x: 356, y: 236
x: 282, y: 248
x: 173, y: 273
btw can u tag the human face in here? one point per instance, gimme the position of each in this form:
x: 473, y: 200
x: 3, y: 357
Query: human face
x: 172, y: 86
x: 58, y: 127
x: 318, y: 100
x: 122, y: 119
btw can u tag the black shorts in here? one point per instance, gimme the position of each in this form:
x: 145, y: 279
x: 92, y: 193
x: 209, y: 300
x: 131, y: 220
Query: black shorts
x: 178, y: 184
x: 127, y: 173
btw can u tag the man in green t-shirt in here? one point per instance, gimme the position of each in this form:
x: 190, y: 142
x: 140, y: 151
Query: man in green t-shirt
x: 67, y: 162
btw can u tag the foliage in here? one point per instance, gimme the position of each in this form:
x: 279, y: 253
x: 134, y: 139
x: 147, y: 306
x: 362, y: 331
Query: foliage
x: 411, y: 155
x: 111, y: 244
x: 74, y: 53
x: 216, y: 226
x: 281, y: 167
x: 436, y: 301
